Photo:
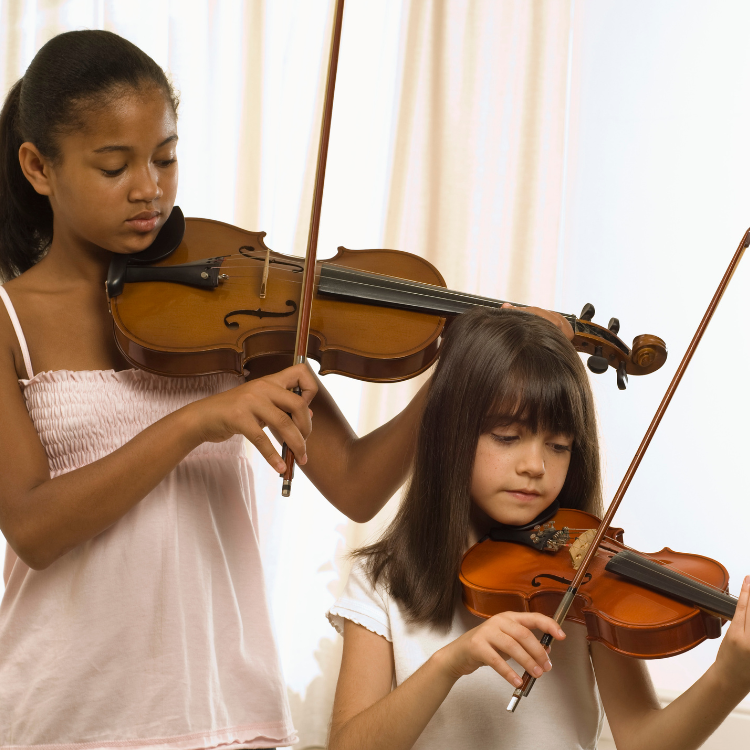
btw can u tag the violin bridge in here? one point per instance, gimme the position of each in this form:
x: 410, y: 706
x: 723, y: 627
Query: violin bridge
x: 580, y: 546
x: 264, y: 280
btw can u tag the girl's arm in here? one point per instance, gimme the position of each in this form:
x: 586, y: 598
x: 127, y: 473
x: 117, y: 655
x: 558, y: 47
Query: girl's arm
x: 366, y: 714
x: 635, y: 717
x: 359, y: 475
x: 369, y: 715
x: 43, y: 518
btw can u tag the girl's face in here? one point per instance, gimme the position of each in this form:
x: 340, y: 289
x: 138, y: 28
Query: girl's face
x: 517, y: 473
x: 115, y: 183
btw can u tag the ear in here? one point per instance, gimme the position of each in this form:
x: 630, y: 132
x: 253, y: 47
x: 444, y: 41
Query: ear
x: 36, y: 168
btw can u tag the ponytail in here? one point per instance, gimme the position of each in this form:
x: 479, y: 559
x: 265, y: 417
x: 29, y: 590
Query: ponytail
x: 71, y: 75
x: 25, y: 216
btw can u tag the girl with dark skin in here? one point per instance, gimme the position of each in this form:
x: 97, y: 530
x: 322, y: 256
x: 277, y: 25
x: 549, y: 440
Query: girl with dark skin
x: 88, y: 169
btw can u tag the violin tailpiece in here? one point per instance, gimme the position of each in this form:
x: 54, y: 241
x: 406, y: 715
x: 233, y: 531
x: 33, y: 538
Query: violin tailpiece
x: 543, y: 537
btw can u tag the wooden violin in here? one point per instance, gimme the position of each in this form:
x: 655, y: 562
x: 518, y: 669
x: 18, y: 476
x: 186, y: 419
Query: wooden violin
x: 648, y: 606
x: 209, y: 297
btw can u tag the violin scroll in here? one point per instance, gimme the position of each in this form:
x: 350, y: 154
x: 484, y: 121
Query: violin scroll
x: 649, y: 353
x: 607, y: 350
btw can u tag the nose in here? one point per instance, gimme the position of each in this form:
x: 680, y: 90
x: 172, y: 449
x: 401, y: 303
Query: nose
x: 531, y: 459
x: 145, y: 186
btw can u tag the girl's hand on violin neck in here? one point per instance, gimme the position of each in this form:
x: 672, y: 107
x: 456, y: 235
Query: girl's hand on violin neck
x: 265, y: 402
x: 556, y: 319
x: 733, y: 660
x: 505, y: 636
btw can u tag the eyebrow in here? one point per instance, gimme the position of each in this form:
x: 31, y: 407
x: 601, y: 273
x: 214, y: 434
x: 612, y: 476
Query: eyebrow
x: 110, y: 149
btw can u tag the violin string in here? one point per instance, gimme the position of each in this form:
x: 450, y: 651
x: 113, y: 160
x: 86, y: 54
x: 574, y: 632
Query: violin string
x: 632, y: 549
x: 690, y: 576
x: 685, y: 574
x: 421, y: 288
x: 714, y: 589
x: 256, y: 274
x: 253, y: 269
x: 416, y: 288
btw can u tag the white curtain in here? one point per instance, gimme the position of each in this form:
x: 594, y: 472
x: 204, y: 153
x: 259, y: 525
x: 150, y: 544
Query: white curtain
x: 545, y: 151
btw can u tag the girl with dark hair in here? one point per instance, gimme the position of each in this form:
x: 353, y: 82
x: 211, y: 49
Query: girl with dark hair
x: 134, y: 613
x: 508, y: 429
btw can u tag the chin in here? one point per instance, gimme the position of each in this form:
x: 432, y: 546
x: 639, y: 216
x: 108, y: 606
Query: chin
x: 138, y: 244
x: 519, y: 516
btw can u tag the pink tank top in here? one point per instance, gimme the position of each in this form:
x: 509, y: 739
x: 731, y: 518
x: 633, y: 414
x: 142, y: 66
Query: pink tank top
x: 156, y: 633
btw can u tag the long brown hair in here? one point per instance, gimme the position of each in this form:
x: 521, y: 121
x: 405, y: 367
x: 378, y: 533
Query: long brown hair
x: 495, y: 365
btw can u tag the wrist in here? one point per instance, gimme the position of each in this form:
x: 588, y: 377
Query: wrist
x: 727, y: 682
x: 188, y: 426
x: 444, y: 667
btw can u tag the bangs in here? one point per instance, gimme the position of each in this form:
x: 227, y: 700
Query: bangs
x: 527, y: 395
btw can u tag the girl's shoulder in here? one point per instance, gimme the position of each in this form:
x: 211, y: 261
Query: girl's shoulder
x: 11, y: 353
x: 363, y: 602
x: 374, y: 608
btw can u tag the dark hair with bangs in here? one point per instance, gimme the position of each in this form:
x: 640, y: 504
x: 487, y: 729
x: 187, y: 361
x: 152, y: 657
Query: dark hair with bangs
x: 71, y: 75
x: 496, y: 366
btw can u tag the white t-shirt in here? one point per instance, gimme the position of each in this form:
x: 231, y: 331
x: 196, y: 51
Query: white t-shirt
x: 563, y: 710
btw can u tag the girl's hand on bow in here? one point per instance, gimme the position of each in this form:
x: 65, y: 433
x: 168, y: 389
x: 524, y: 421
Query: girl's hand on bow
x: 556, y: 319
x: 505, y: 636
x: 733, y: 659
x: 265, y: 402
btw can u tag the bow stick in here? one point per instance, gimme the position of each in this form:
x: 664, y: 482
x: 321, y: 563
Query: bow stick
x: 308, y: 276
x: 570, y: 594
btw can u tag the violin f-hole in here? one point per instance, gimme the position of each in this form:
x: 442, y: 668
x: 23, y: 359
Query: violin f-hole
x: 559, y: 579
x: 259, y: 314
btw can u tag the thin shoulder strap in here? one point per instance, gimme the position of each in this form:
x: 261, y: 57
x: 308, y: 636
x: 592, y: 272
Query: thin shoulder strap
x: 19, y: 331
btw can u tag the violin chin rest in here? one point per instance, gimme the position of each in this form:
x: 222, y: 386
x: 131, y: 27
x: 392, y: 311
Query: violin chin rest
x: 166, y: 242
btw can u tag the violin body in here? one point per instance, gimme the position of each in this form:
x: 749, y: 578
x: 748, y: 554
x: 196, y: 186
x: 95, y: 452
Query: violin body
x: 500, y: 576
x: 208, y: 297
x: 179, y: 329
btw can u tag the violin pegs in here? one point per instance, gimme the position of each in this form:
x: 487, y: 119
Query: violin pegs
x: 614, y: 325
x: 588, y: 312
x: 596, y: 362
x: 622, y: 376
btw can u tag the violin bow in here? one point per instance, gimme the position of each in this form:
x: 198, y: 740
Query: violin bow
x: 570, y: 594
x: 308, y: 276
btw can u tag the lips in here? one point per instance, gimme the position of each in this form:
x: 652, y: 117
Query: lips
x: 524, y: 494
x: 145, y: 221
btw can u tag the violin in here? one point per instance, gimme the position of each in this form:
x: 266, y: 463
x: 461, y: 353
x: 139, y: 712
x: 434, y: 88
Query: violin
x: 649, y: 606
x: 208, y: 297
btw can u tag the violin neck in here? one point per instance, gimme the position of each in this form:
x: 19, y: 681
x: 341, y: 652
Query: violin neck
x: 660, y: 578
x: 387, y: 291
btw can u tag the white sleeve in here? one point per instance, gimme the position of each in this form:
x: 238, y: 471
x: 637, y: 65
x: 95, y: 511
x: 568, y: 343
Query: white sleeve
x: 362, y: 603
